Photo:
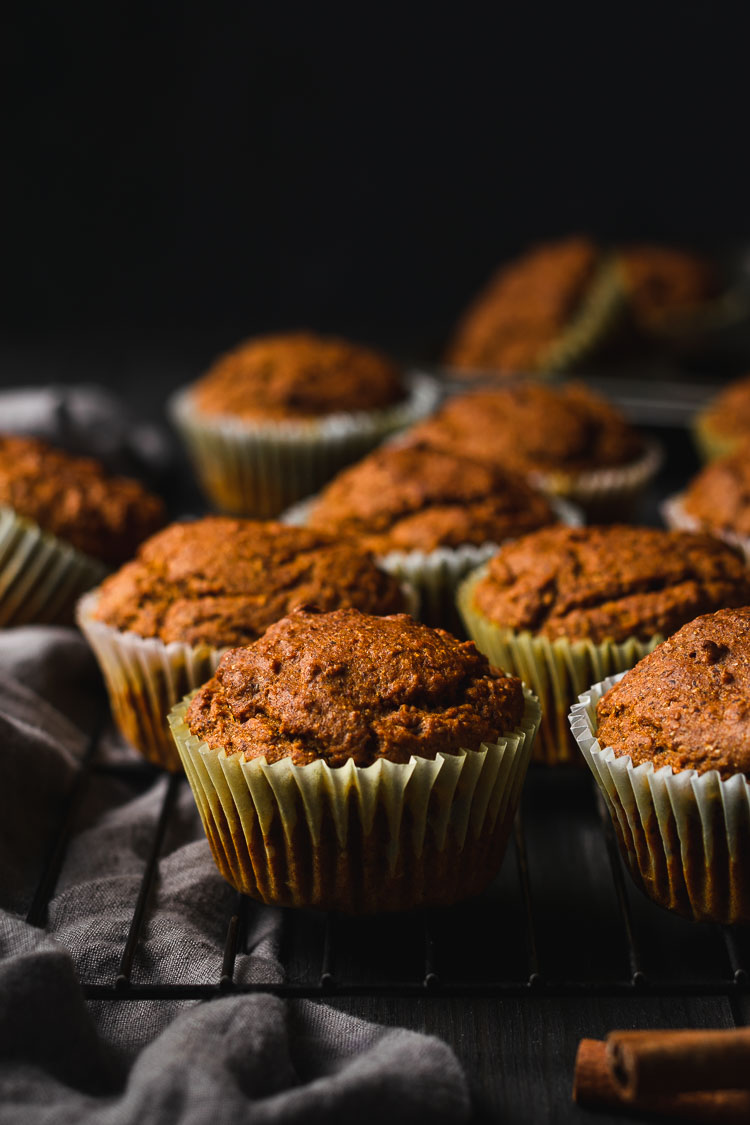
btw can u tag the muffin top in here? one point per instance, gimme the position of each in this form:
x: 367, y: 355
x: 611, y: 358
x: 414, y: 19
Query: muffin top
x: 687, y: 704
x: 342, y: 685
x: 729, y: 413
x: 297, y: 375
x: 75, y: 499
x: 525, y: 308
x: 222, y: 581
x: 719, y: 496
x: 609, y: 583
x: 662, y: 282
x: 534, y: 427
x: 412, y: 497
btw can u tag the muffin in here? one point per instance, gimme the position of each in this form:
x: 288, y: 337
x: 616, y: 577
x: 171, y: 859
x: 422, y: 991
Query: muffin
x: 724, y: 426
x: 717, y: 501
x: 277, y: 416
x: 543, y: 312
x: 429, y: 514
x: 567, y: 440
x: 669, y: 746
x: 565, y: 607
x: 356, y: 763
x: 160, y: 624
x: 63, y: 521
x: 664, y: 284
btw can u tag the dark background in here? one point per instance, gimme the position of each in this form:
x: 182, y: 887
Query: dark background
x: 179, y: 175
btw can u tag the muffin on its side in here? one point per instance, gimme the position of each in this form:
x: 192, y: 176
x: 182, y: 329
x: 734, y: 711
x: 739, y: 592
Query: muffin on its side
x: 564, y: 607
x: 665, y: 285
x: 669, y: 745
x: 63, y: 521
x: 717, y: 501
x: 567, y: 440
x: 277, y: 416
x: 724, y: 426
x: 356, y: 763
x: 544, y: 311
x: 160, y: 624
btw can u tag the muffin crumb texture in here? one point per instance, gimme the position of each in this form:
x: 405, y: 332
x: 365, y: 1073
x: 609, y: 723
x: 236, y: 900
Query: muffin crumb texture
x: 609, y: 583
x: 345, y: 685
x: 719, y: 496
x: 222, y: 581
x: 75, y: 499
x: 296, y: 376
x: 687, y: 704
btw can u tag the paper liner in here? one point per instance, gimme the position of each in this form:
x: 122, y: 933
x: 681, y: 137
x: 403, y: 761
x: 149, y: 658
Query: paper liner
x: 556, y: 670
x: 359, y: 839
x: 41, y: 576
x: 684, y: 836
x: 605, y: 495
x: 677, y: 519
x: 260, y: 468
x: 597, y: 317
x: 710, y: 443
x: 435, y: 575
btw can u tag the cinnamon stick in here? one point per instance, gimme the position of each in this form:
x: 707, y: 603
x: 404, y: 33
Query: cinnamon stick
x: 595, y: 1088
x: 646, y: 1064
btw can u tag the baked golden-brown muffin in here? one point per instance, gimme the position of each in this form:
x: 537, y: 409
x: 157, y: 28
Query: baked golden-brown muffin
x: 718, y: 498
x: 724, y: 426
x: 390, y: 756
x: 63, y: 520
x: 669, y: 745
x: 159, y: 625
x: 563, y: 607
x: 537, y: 313
x: 664, y: 283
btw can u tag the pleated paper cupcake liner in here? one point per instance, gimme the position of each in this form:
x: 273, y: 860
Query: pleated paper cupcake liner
x: 145, y: 678
x: 41, y: 577
x: 677, y: 519
x: 557, y: 670
x: 382, y: 837
x: 684, y: 836
x: 260, y: 468
x: 605, y: 495
x: 711, y: 444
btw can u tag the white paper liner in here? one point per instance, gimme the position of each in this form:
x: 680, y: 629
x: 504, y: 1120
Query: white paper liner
x: 41, y: 577
x: 556, y: 670
x: 677, y: 519
x: 685, y: 836
x: 604, y: 494
x: 260, y: 468
x: 360, y: 839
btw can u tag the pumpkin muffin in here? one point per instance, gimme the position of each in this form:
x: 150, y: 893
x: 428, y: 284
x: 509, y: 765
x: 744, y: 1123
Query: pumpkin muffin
x: 724, y: 426
x: 430, y: 514
x: 669, y: 745
x: 63, y: 521
x: 564, y: 607
x: 539, y: 313
x: 567, y: 440
x: 664, y: 284
x: 717, y: 501
x: 277, y: 416
x: 356, y: 763
x: 160, y: 624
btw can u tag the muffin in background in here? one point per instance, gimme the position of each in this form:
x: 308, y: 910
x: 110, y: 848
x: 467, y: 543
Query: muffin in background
x: 543, y: 312
x: 669, y: 745
x: 430, y: 515
x: 717, y: 501
x: 63, y: 521
x: 357, y: 763
x: 564, y: 607
x: 724, y: 426
x: 567, y: 440
x: 277, y: 416
x: 665, y: 285
x: 160, y: 624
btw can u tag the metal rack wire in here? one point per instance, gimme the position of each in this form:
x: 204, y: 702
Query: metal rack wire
x: 422, y: 933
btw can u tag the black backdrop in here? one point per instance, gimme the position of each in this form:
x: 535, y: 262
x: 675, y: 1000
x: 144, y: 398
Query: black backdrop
x: 192, y: 172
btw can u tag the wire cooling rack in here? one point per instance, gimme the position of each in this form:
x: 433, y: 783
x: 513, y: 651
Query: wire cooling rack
x: 563, y: 919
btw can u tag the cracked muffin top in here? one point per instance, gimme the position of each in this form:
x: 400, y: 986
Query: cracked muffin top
x: 719, y: 496
x: 345, y: 685
x: 75, y: 499
x: 222, y: 581
x: 663, y: 282
x: 534, y: 427
x: 686, y: 704
x: 406, y: 498
x: 525, y: 308
x: 609, y: 583
x: 297, y: 375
